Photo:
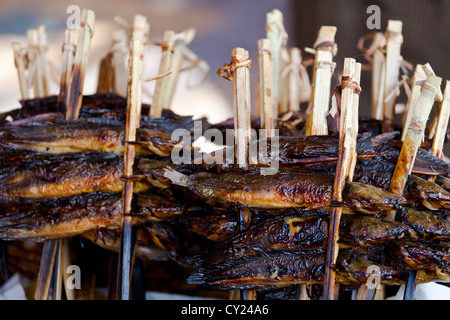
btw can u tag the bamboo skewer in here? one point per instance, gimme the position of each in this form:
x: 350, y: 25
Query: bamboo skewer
x: 119, y: 61
x: 52, y: 249
x: 414, y: 136
x: 132, y: 122
x: 277, y: 36
x: 66, y: 75
x: 392, y: 72
x: 160, y: 96
x: 378, y: 83
x: 179, y: 50
x: 266, y: 83
x: 238, y: 72
x: 347, y: 141
x: 324, y: 66
x: 416, y: 85
x: 442, y: 124
x: 21, y: 70
x: 411, y: 144
x: 298, y: 84
x: 80, y: 62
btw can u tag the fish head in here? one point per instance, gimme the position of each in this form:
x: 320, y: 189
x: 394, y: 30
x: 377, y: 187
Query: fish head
x: 369, y: 199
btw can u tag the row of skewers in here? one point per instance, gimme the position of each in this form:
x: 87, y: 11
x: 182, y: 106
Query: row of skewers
x: 340, y: 201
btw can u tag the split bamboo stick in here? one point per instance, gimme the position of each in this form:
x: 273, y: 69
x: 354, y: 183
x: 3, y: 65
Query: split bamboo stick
x: 392, y: 72
x: 347, y: 141
x: 80, y: 62
x: 134, y: 101
x: 324, y: 66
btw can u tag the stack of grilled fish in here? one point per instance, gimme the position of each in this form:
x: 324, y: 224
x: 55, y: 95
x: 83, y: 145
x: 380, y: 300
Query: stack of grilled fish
x: 64, y: 178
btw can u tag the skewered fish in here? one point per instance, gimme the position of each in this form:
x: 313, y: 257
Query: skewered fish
x: 296, y: 232
x: 83, y: 135
x: 39, y: 219
x: 75, y: 173
x: 283, y: 190
x: 305, y: 151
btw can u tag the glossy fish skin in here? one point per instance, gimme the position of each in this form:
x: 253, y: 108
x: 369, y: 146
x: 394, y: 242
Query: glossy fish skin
x: 215, y: 226
x: 41, y: 219
x: 443, y: 182
x: 427, y: 193
x: 59, y: 218
x: 283, y: 268
x: 65, y: 175
x: 379, y: 174
x: 426, y: 225
x: 263, y: 271
x: 283, y: 190
x: 424, y: 255
x: 83, y: 135
x: 367, y: 230
x: 297, y: 232
x: 280, y: 232
x: 105, y: 106
x: 304, y: 151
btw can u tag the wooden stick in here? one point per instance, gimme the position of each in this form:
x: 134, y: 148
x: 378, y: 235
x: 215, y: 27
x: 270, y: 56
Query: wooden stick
x: 413, y: 138
x: 132, y: 121
x: 161, y: 87
x: 347, y: 135
x: 43, y: 62
x: 66, y: 75
x: 120, y: 62
x: 316, y: 123
x: 393, y: 63
x: 52, y: 249
x: 242, y: 125
x: 36, y: 68
x: 417, y: 80
x: 179, y: 48
x: 283, y: 82
x: 442, y: 124
x: 266, y: 82
x: 378, y: 83
x: 45, y: 270
x: 277, y: 36
x: 81, y: 58
x: 296, y: 83
x: 21, y: 71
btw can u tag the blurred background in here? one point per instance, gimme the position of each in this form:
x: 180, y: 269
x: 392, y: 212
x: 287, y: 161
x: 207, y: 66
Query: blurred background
x: 221, y: 25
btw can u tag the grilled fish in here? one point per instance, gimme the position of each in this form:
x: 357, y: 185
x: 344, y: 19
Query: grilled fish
x: 83, y: 135
x: 304, y: 151
x: 77, y: 173
x: 283, y: 190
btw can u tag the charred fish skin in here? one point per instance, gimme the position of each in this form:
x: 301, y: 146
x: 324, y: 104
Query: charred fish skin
x: 278, y: 233
x: 44, y: 176
x: 304, y: 151
x: 291, y: 232
x: 283, y: 268
x: 104, y: 106
x: 83, y: 135
x: 58, y: 218
x: 66, y: 175
x: 262, y: 271
x: 283, y: 190
x: 426, y: 225
x: 427, y: 193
